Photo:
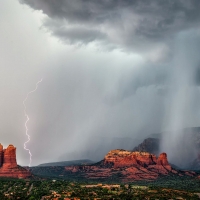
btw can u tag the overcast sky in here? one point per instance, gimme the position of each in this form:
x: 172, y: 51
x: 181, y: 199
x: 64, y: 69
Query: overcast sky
x: 111, y: 69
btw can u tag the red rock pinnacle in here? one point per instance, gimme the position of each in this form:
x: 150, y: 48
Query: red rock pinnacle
x: 10, y: 157
x: 8, y: 164
x: 162, y: 159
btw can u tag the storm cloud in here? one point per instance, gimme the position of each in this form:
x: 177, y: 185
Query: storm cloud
x: 113, y: 72
x: 132, y: 25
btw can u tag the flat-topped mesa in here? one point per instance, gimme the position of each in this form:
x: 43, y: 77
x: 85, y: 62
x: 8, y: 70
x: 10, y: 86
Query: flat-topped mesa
x: 10, y: 157
x: 123, y: 158
x: 129, y: 166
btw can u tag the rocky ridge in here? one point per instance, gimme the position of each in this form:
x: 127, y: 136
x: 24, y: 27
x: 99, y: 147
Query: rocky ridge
x: 8, y: 164
x: 128, y: 166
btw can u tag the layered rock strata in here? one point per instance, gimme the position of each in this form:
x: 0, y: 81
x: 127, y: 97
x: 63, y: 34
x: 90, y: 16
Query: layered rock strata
x: 128, y: 166
x: 8, y: 164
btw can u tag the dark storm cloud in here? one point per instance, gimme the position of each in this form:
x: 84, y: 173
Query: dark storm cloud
x: 77, y: 34
x: 128, y: 92
x: 129, y: 24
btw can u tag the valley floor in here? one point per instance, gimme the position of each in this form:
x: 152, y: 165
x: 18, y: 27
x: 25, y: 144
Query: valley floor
x: 57, y: 189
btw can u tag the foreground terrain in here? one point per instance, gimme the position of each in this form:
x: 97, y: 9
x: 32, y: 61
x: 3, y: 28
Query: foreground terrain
x: 121, y: 174
x: 182, y: 188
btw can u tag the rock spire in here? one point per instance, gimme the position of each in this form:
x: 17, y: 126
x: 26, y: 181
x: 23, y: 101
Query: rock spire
x: 8, y: 164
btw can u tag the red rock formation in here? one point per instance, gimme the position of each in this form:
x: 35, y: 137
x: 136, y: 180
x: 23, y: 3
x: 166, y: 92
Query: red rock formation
x: 162, y: 159
x: 10, y: 157
x: 1, y: 155
x: 9, y: 167
x: 122, y: 158
x: 126, y: 165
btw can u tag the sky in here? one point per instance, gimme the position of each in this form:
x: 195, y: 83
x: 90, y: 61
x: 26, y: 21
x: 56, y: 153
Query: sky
x: 113, y: 71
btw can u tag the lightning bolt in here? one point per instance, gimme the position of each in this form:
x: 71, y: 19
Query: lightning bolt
x: 27, y: 119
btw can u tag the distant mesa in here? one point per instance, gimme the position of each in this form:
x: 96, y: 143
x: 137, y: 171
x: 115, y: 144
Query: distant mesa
x: 118, y: 165
x: 68, y: 163
x: 150, y: 145
x: 8, y: 164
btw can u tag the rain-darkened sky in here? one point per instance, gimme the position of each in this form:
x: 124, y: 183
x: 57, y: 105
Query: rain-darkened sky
x: 114, y: 72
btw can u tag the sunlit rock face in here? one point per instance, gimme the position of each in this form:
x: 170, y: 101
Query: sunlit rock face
x: 128, y: 166
x: 122, y: 158
x: 162, y: 159
x: 8, y: 164
x: 9, y: 159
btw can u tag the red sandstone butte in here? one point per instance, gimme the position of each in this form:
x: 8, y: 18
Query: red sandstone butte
x: 10, y: 157
x: 122, y: 158
x: 127, y: 165
x: 8, y: 164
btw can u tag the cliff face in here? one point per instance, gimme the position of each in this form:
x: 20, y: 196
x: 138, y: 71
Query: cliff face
x: 122, y: 158
x: 162, y: 159
x: 127, y: 166
x: 8, y: 164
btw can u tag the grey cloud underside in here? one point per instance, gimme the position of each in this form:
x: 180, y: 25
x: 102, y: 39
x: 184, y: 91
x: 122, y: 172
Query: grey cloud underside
x: 141, y: 26
x: 74, y: 35
x: 125, y: 24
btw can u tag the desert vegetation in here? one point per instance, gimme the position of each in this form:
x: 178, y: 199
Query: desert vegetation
x: 45, y: 188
